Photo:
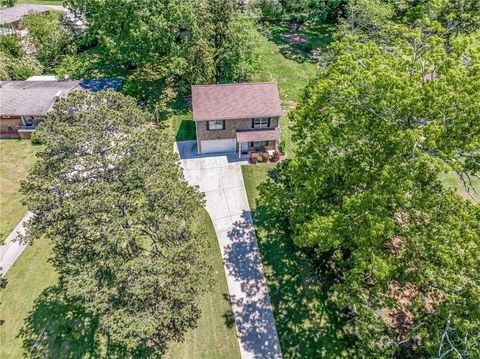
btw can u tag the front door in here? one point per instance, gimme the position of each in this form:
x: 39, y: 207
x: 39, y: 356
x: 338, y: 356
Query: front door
x: 244, y: 147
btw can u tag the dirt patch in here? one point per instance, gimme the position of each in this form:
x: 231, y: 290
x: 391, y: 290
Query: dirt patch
x: 400, y: 318
x: 295, y: 38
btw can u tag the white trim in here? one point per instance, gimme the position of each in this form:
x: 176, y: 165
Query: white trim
x: 196, y: 135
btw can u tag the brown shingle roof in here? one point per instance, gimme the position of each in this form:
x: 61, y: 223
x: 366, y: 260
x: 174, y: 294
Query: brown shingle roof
x: 234, y: 101
x: 36, y: 98
x: 15, y: 13
x: 258, y: 135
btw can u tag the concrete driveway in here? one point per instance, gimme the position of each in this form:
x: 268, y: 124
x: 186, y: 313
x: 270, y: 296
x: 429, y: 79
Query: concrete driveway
x: 220, y: 178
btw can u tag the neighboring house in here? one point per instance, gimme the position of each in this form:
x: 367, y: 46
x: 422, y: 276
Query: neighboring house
x: 24, y: 104
x: 236, y: 117
x: 11, y: 16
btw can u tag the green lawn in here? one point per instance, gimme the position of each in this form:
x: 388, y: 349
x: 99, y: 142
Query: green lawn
x: 15, y: 157
x: 289, y: 66
x: 215, y: 336
x: 306, y: 326
x: 452, y: 180
x: 26, y: 299
x: 253, y: 176
x: 26, y: 280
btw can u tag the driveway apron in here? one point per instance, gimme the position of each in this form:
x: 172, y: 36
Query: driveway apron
x: 220, y: 178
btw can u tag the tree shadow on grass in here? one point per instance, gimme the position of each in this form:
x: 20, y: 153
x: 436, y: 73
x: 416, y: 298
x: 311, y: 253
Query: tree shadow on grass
x: 57, y: 327
x: 308, y: 323
x: 228, y: 315
x: 186, y: 131
x: 301, y: 45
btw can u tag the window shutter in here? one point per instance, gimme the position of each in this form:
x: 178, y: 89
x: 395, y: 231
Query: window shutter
x: 208, y: 126
x: 223, y: 124
x: 253, y: 123
x: 251, y: 144
x: 268, y: 123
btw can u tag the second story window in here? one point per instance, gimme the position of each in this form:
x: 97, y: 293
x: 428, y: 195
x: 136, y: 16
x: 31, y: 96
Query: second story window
x: 261, y: 122
x: 215, y: 125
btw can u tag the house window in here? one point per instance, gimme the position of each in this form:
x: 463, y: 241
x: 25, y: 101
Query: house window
x: 27, y: 121
x: 259, y: 143
x: 216, y: 125
x: 261, y: 122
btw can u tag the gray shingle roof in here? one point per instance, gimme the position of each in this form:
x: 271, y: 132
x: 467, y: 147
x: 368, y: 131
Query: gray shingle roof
x: 234, y: 101
x: 15, y: 13
x: 36, y: 98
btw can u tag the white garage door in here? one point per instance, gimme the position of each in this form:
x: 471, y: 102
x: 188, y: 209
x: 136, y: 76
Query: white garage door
x: 214, y: 146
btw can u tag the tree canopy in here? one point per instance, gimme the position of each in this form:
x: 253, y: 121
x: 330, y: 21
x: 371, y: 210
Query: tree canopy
x: 109, y: 195
x: 14, y: 63
x: 190, y: 39
x: 49, y: 38
x: 363, y: 196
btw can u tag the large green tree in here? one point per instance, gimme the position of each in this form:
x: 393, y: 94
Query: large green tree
x: 237, y: 57
x: 138, y: 32
x: 179, y: 39
x: 363, y: 196
x: 49, y: 37
x: 14, y: 63
x: 108, y: 194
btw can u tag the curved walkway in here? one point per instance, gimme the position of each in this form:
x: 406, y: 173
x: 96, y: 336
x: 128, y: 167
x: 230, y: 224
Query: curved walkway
x: 220, y: 178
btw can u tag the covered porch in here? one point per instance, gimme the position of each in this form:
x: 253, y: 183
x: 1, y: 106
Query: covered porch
x: 257, y: 140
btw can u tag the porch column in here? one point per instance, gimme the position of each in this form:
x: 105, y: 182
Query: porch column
x: 239, y: 150
x: 276, y: 145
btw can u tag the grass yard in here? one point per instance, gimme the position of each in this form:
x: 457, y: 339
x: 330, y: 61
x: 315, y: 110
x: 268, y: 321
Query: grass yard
x: 305, y: 324
x: 26, y: 280
x: 253, y: 176
x: 26, y: 295
x: 215, y: 336
x: 452, y: 180
x: 289, y: 65
x: 15, y: 158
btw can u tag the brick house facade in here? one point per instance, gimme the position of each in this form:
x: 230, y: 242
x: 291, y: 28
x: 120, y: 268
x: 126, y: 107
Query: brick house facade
x: 236, y: 118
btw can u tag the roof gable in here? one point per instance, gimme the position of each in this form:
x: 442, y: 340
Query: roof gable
x: 235, y: 101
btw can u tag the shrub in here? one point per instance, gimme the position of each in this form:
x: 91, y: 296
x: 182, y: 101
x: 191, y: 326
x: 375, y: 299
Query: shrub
x: 7, y: 3
x: 309, y: 46
x: 17, y: 68
x: 281, y: 147
x: 265, y: 157
x: 269, y: 9
x: 253, y: 158
x: 277, y: 156
x: 11, y: 45
x: 35, y: 139
x: 260, y: 159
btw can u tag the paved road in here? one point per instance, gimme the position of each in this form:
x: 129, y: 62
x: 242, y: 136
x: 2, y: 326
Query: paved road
x: 11, y: 249
x: 220, y: 178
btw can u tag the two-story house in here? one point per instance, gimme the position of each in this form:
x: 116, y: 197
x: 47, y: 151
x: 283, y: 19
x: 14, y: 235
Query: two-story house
x: 236, y: 117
